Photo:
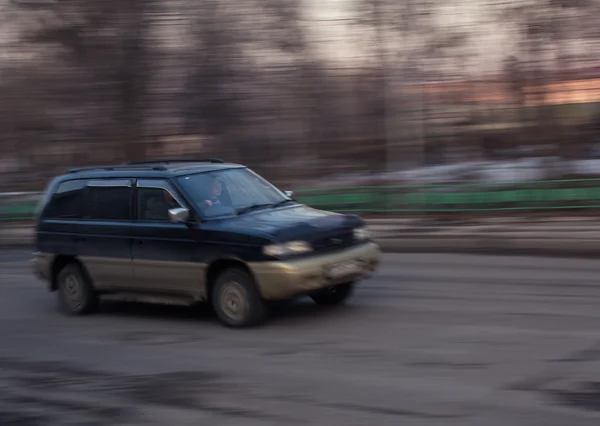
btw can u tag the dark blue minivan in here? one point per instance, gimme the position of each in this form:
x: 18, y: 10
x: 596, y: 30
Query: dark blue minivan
x: 188, y: 231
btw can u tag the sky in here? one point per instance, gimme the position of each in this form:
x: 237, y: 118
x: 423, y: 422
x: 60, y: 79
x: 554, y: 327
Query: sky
x: 490, y: 42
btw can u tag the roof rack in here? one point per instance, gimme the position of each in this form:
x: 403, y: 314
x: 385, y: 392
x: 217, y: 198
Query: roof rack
x: 178, y: 160
x: 115, y: 168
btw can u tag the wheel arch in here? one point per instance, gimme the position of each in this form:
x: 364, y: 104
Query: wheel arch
x: 218, y: 266
x: 59, y: 263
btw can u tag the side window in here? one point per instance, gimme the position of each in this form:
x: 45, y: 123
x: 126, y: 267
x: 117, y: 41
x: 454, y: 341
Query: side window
x: 154, y: 204
x: 68, y: 202
x: 109, y: 202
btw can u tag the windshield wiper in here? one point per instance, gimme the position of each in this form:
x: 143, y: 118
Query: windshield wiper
x: 251, y: 208
x: 282, y: 203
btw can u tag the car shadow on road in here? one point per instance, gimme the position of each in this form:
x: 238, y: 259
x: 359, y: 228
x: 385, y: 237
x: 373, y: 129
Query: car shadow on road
x: 287, y: 313
x: 304, y: 311
x: 200, y: 312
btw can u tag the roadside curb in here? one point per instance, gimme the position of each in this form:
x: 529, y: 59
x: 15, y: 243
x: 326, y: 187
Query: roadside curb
x: 16, y: 237
x: 476, y: 240
x: 491, y: 246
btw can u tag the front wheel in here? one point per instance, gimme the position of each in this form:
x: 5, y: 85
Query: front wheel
x: 334, y: 295
x: 236, y: 300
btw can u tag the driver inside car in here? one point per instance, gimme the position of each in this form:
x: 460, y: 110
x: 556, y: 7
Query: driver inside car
x: 215, y: 195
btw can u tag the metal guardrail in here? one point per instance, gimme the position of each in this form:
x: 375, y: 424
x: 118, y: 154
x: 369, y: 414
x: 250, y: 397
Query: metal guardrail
x: 570, y: 194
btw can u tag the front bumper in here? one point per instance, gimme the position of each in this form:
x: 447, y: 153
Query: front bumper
x: 285, y: 279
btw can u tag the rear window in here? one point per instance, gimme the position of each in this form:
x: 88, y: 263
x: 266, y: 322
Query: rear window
x: 68, y: 201
x: 110, y: 203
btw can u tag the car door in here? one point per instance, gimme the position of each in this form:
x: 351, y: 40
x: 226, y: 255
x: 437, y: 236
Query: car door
x: 103, y: 240
x: 165, y: 254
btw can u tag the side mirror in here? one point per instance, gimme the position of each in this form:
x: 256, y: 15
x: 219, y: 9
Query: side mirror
x: 289, y: 194
x: 179, y: 215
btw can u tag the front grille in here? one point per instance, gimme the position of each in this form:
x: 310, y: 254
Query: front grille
x: 334, y: 242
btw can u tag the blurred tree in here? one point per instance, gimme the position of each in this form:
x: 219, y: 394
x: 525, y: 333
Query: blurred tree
x: 234, y: 88
x: 410, y: 48
x: 516, y: 83
x: 515, y: 79
x: 550, y: 38
x: 101, y: 49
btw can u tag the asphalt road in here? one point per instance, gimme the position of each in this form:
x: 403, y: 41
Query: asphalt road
x: 432, y: 340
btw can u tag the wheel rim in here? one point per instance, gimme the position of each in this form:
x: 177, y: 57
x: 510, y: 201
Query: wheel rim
x: 331, y: 291
x: 233, y: 301
x: 72, y: 291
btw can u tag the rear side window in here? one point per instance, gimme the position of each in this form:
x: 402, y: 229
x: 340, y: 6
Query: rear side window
x: 68, y: 202
x: 109, y: 202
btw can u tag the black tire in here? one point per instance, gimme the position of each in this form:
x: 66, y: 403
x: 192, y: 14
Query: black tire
x: 334, y: 296
x: 76, y: 294
x: 236, y: 300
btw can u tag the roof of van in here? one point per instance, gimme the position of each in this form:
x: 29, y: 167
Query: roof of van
x: 152, y: 168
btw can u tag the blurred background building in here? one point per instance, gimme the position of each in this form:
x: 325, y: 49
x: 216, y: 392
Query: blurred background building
x: 309, y: 92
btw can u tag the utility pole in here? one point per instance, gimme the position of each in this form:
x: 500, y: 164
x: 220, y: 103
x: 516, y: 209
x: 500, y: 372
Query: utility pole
x: 421, y: 80
x: 386, y: 84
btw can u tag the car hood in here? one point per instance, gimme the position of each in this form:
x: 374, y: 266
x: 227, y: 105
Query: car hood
x: 290, y: 223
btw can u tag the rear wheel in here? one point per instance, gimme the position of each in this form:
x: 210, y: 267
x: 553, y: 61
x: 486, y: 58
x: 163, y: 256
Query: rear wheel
x: 76, y: 294
x: 334, y: 295
x: 236, y: 300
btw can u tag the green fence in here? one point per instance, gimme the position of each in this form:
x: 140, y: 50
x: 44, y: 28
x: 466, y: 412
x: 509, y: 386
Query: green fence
x: 533, y: 196
x: 17, y: 210
x: 540, y: 195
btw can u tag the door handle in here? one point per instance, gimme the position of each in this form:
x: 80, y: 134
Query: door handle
x: 79, y: 239
x: 139, y: 242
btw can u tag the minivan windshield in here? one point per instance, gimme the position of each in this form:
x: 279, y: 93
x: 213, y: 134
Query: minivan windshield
x: 231, y: 191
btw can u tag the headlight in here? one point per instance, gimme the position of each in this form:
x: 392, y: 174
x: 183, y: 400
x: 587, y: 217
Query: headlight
x: 286, y: 249
x: 361, y: 234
